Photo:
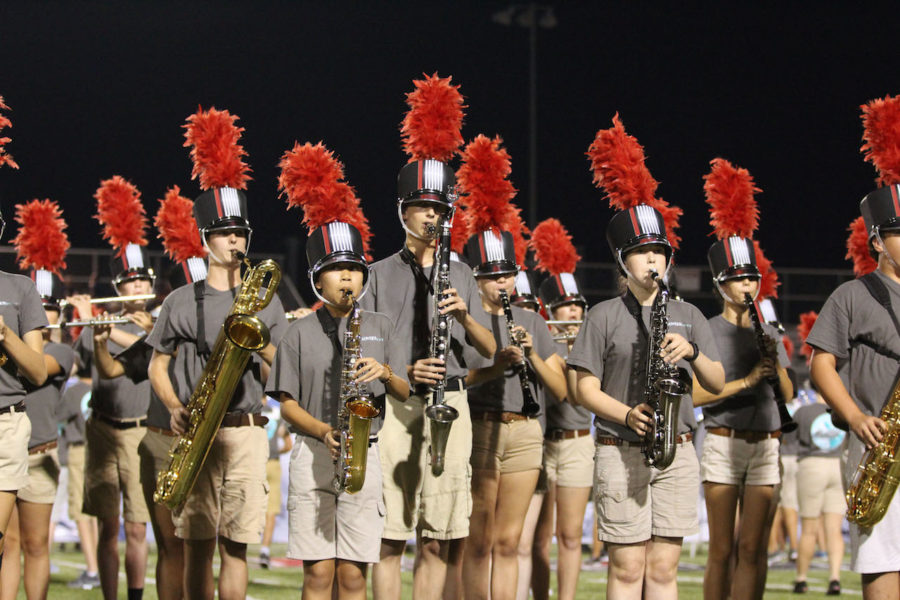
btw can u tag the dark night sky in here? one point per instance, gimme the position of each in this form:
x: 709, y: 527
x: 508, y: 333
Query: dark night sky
x: 99, y: 89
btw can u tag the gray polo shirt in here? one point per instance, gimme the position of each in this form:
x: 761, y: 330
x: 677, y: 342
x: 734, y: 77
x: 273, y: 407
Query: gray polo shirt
x: 176, y: 329
x: 75, y: 400
x: 392, y: 289
x: 307, y: 365
x: 20, y: 307
x: 42, y: 404
x: 753, y: 409
x: 560, y: 413
x: 850, y: 323
x: 610, y: 346
x: 505, y: 393
x: 816, y: 434
x: 119, y: 398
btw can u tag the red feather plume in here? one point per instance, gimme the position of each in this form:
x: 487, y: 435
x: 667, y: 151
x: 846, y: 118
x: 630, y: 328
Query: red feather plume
x: 431, y: 127
x: 5, y: 159
x: 553, y: 248
x: 807, y: 320
x: 42, y: 242
x: 482, y: 178
x: 459, y: 233
x: 617, y: 160
x: 768, y: 284
x: 881, y: 132
x: 121, y: 213
x: 177, y: 227
x: 858, y: 248
x: 671, y: 215
x: 729, y: 193
x: 218, y: 157
x: 312, y: 179
x: 788, y: 346
x: 516, y: 226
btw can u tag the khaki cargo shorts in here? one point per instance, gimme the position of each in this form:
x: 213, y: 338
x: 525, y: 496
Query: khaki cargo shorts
x: 112, y: 472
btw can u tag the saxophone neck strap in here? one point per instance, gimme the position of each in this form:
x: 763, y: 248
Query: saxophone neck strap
x: 330, y: 327
x: 634, y: 307
x: 880, y: 293
x: 202, y: 346
x: 409, y: 258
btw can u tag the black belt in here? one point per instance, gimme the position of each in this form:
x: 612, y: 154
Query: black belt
x: 15, y: 408
x: 129, y: 424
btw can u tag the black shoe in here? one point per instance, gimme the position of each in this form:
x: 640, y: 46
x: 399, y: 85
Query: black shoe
x: 834, y: 588
x: 264, y: 560
x: 800, y: 587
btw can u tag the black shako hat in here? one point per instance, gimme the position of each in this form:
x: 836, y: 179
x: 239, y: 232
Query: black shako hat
x: 134, y: 263
x: 426, y: 181
x: 335, y: 242
x: 491, y: 252
x: 731, y: 258
x: 221, y: 208
x: 881, y: 209
x: 561, y: 289
x: 525, y: 291
x: 49, y: 286
x: 636, y: 226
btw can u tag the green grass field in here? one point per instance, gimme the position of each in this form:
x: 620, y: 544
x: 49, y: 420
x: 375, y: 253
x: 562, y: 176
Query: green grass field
x: 285, y: 582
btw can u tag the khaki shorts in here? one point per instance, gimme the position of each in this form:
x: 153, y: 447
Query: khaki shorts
x: 635, y: 502
x: 323, y: 525
x: 229, y: 498
x: 112, y: 471
x: 570, y: 463
x: 414, y: 498
x: 43, y: 477
x: 75, y: 485
x: 15, y: 430
x: 819, y: 487
x: 789, y: 482
x: 507, y: 447
x: 733, y: 461
x: 154, y: 454
x: 273, y: 479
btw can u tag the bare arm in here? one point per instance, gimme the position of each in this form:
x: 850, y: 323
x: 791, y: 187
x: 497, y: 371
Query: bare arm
x: 107, y: 366
x: 606, y: 407
x: 823, y: 371
x: 158, y: 372
x: 27, y: 352
x: 482, y: 339
x: 300, y: 418
x: 268, y: 354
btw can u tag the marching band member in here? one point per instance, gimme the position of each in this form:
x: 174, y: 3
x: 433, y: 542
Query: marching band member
x: 226, y: 507
x: 739, y: 465
x: 857, y: 331
x: 433, y: 509
x: 118, y: 406
x: 21, y: 345
x: 41, y: 246
x: 505, y: 397
x: 644, y: 512
x: 335, y: 532
x: 568, y: 447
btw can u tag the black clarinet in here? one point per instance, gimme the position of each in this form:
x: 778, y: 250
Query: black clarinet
x: 530, y: 408
x: 787, y: 423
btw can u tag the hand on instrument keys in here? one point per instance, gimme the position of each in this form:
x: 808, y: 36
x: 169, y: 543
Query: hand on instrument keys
x: 640, y: 418
x: 508, y: 357
x: 101, y: 332
x: 453, y: 305
x: 867, y: 428
x: 332, y: 441
x: 524, y: 339
x: 763, y: 370
x: 83, y: 307
x: 674, y: 348
x: 427, y: 370
x: 368, y: 369
x: 142, y: 319
x: 180, y: 420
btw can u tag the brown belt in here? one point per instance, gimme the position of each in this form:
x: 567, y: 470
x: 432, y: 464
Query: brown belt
x: 41, y: 448
x: 160, y: 430
x: 566, y: 434
x: 75, y: 444
x: 608, y: 440
x: 245, y: 420
x: 751, y: 437
x: 500, y: 417
x: 126, y: 424
x: 15, y: 408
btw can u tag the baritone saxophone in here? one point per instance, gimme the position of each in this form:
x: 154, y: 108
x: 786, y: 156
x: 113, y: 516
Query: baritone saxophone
x: 241, y: 334
x: 356, y: 414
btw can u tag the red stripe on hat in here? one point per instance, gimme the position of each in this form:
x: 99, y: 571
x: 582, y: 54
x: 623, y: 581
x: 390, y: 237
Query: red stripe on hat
x: 420, y: 169
x: 326, y: 239
x: 894, y: 197
x: 187, y: 272
x: 219, y: 211
x: 634, y: 220
x: 125, y: 260
x: 481, y: 248
x: 728, y: 256
x: 559, y: 285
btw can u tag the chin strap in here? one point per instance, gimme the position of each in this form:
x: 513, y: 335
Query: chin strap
x: 628, y: 274
x: 884, y: 249
x: 315, y: 290
x: 718, y: 285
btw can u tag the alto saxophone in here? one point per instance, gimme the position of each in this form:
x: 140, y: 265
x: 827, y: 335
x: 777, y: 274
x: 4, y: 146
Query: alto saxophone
x: 356, y: 414
x: 530, y: 407
x: 665, y: 386
x: 876, y: 477
x: 440, y: 414
x: 241, y: 335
